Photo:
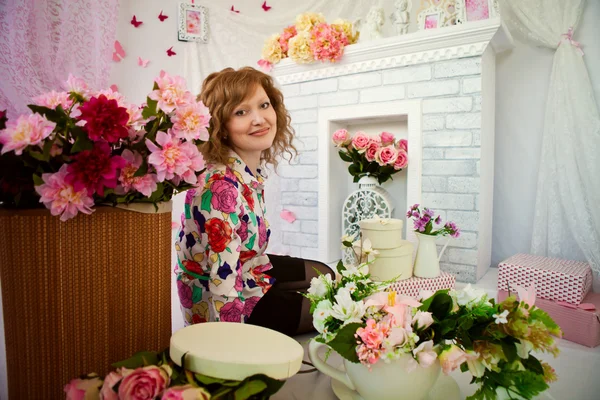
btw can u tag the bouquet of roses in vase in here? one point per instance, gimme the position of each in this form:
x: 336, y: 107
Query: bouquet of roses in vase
x: 308, y: 40
x: 377, y: 156
x: 451, y: 328
x: 82, y: 147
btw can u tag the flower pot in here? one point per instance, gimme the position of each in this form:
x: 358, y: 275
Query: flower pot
x: 81, y: 294
x: 384, y: 381
x: 427, y: 261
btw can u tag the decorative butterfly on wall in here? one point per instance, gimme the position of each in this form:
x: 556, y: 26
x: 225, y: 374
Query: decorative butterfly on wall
x: 119, y: 53
x: 162, y: 17
x: 135, y: 22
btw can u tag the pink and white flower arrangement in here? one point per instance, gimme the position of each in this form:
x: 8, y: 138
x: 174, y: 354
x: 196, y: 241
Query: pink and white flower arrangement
x: 378, y: 156
x: 367, y: 323
x: 309, y: 39
x: 82, y: 147
x: 424, y: 220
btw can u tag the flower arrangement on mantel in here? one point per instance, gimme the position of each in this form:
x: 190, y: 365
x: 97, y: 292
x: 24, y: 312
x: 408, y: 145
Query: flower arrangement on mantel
x: 150, y: 375
x: 309, y: 39
x: 377, y: 156
x: 81, y: 147
x: 460, y: 328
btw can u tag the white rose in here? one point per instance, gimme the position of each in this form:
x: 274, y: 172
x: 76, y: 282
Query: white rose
x: 422, y: 319
x: 322, y: 311
x: 319, y: 286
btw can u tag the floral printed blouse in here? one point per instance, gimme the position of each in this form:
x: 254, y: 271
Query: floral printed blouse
x: 221, y: 245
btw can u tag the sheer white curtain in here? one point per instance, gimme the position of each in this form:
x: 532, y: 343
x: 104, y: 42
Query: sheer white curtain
x: 567, y: 212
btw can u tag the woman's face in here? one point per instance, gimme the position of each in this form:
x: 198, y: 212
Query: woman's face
x: 252, y: 125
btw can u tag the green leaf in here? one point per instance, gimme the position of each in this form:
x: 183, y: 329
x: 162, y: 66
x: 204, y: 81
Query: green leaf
x: 509, y: 350
x: 249, y: 389
x: 37, y: 155
x: 49, y: 113
x: 141, y: 359
x: 345, y: 156
x: 345, y: 343
x: 206, y: 199
x: 440, y: 304
x: 142, y: 170
x: 208, y: 380
x: 533, y: 364
x: 354, y: 169
x: 347, y: 243
x: 82, y: 142
x: 150, y: 109
x: 37, y: 180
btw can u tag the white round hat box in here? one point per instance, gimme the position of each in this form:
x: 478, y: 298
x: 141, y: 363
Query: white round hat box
x: 396, y: 263
x: 383, y: 233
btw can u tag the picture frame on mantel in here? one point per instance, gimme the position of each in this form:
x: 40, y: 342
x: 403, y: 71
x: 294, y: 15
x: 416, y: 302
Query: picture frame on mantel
x: 431, y: 18
x: 192, y: 23
x: 476, y: 10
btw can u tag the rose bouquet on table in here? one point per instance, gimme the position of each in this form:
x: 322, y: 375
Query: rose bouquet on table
x: 150, y: 375
x: 377, y: 156
x: 457, y: 328
x: 309, y: 39
x: 82, y: 147
x: 423, y: 222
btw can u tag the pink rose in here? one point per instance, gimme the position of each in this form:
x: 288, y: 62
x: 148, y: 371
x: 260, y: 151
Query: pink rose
x: 341, y: 137
x: 452, y: 358
x: 371, y: 151
x: 360, y: 141
x: 144, y: 383
x: 107, y: 392
x: 402, y: 144
x: 187, y: 392
x: 422, y: 319
x: 425, y: 354
x: 401, y: 160
x: 386, y: 155
x: 232, y: 312
x: 386, y: 138
x: 80, y: 389
x: 224, y: 196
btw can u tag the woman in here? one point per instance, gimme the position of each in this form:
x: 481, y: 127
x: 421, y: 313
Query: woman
x: 224, y: 272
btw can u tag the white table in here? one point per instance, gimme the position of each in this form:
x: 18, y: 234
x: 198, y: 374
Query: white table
x: 578, y: 369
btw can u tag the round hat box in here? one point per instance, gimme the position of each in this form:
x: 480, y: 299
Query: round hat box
x: 229, y: 350
x: 383, y: 233
x: 396, y: 263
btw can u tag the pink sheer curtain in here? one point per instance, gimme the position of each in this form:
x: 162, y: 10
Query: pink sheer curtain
x: 42, y: 41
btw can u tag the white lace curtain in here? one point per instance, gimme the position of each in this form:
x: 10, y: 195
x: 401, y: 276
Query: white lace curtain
x: 567, y: 210
x: 41, y: 41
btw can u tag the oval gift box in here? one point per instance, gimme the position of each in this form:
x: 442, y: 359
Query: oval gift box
x: 383, y: 233
x: 396, y: 263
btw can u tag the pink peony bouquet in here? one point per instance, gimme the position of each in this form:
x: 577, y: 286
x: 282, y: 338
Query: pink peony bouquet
x: 367, y: 323
x: 150, y: 375
x: 82, y: 147
x: 309, y: 39
x: 377, y: 156
x: 424, y: 220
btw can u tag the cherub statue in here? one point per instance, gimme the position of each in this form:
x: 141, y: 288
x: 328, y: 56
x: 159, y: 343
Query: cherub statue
x: 401, y: 16
x: 371, y: 28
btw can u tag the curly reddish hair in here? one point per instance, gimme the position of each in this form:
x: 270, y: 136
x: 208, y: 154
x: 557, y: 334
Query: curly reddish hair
x: 222, y: 92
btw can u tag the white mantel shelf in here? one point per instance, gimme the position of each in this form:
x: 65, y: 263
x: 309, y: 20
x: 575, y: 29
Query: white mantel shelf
x: 457, y: 41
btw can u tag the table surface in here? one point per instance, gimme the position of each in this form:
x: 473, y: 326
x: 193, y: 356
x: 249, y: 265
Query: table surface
x: 577, y: 367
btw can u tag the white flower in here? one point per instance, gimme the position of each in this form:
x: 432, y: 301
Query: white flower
x: 422, y: 319
x: 322, y: 311
x: 469, y: 296
x: 347, y: 310
x: 353, y: 270
x: 524, y: 348
x: 351, y: 286
x: 425, y: 354
x: 501, y: 318
x: 319, y: 286
x: 398, y: 337
x: 346, y: 238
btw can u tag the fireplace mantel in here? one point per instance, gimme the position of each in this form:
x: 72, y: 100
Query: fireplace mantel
x: 466, y: 40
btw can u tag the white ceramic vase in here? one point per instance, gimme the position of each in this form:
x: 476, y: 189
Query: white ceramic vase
x: 427, y: 261
x: 384, y: 381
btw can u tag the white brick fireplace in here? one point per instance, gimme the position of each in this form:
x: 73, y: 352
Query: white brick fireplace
x: 434, y: 87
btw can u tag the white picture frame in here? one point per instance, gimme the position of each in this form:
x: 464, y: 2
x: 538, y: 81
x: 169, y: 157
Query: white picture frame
x: 192, y: 23
x: 431, y: 18
x: 466, y: 13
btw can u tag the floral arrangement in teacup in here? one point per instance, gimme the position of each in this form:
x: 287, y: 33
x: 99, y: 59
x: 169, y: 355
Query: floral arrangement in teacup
x: 459, y: 328
x: 151, y: 375
x: 309, y: 39
x: 378, y: 156
x: 81, y: 147
x: 423, y: 222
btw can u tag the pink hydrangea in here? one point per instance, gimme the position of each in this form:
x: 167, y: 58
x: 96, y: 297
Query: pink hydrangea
x: 53, y: 99
x: 171, y: 92
x: 174, y: 159
x: 145, y: 184
x: 327, y: 43
x: 25, y: 131
x: 61, y: 198
x: 191, y: 121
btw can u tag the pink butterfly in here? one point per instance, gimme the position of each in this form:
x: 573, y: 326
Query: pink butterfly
x: 526, y: 295
x: 170, y: 52
x: 265, y: 6
x: 234, y: 10
x: 119, y: 53
x: 162, y: 17
x: 287, y: 215
x: 135, y: 22
x: 265, y: 65
x: 114, y: 88
x: 142, y: 63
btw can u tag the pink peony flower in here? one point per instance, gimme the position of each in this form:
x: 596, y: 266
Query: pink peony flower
x: 401, y: 160
x: 187, y: 392
x: 171, y: 92
x: 61, y: 198
x: 107, y: 392
x: 452, y: 357
x: 371, y: 151
x: 25, y: 131
x: 95, y: 169
x: 386, y: 138
x: 224, y: 196
x: 104, y: 119
x: 77, y: 85
x: 386, y: 155
x: 191, y: 121
x: 53, y: 99
x: 144, y: 383
x: 81, y: 389
x: 341, y: 137
x: 360, y: 141
x: 174, y: 159
x: 145, y: 184
x: 402, y: 144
